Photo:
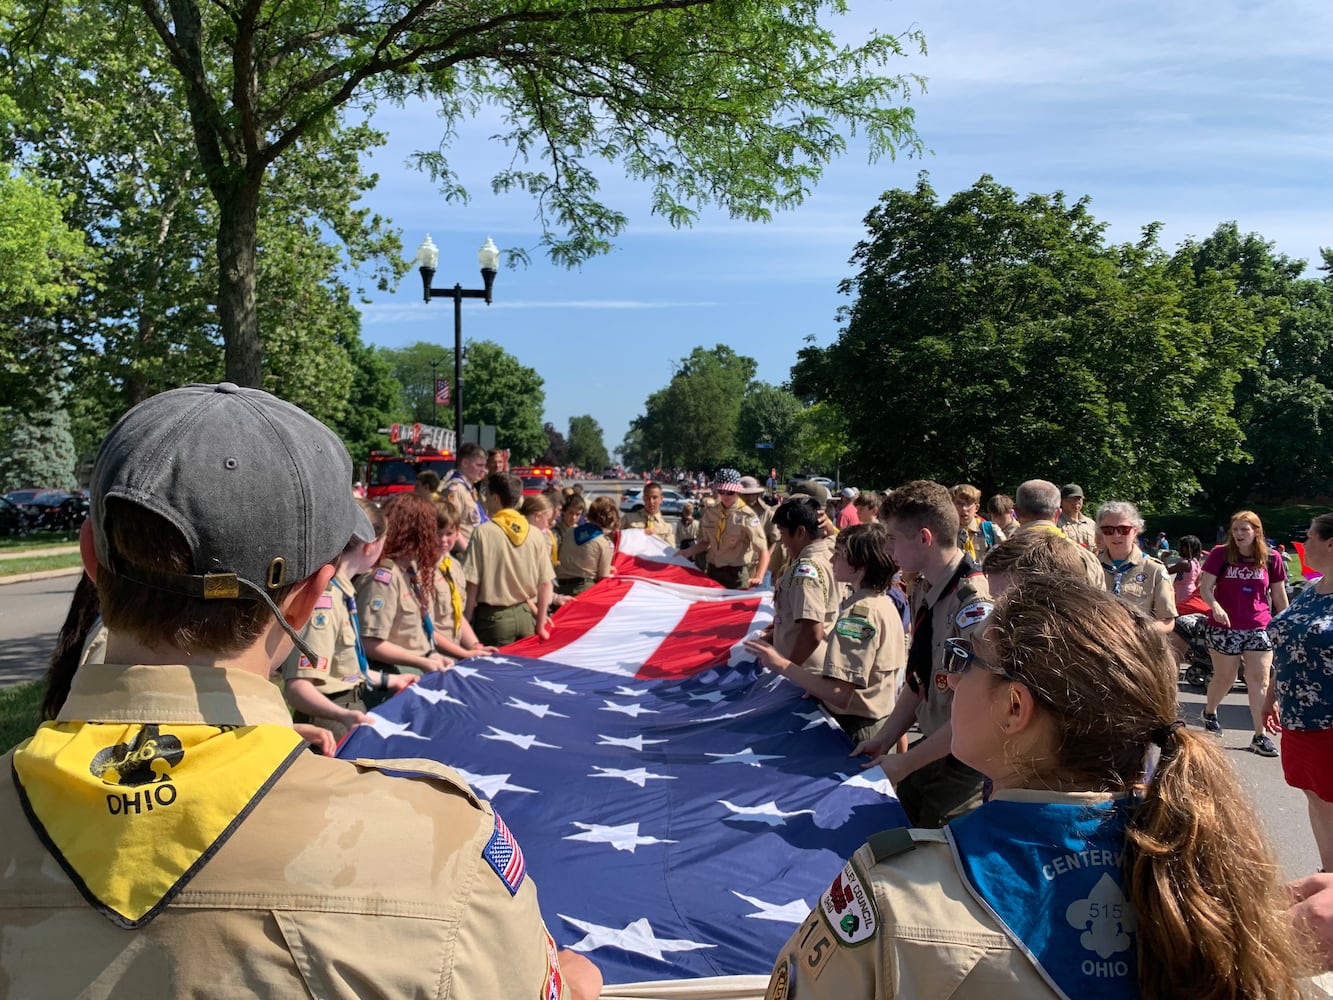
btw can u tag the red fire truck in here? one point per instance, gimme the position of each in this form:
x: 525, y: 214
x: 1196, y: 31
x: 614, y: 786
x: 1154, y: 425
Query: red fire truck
x: 420, y: 447
x: 535, y: 477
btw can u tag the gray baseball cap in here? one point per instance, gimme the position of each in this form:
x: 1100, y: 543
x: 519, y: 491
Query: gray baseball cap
x: 260, y: 489
x: 810, y: 488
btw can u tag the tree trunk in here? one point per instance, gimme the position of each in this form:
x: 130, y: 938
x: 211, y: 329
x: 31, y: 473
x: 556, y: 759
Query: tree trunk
x: 238, y: 315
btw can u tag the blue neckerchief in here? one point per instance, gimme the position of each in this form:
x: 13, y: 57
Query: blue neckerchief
x: 1119, y: 567
x: 585, y: 533
x: 1050, y: 873
x: 482, y: 518
x: 420, y: 595
x: 350, y: 601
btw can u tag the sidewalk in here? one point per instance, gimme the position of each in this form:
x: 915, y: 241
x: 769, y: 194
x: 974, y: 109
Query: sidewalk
x: 46, y: 550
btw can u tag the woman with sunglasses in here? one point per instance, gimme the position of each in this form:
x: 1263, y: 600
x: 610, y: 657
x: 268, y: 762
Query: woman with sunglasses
x: 1117, y: 857
x: 1131, y: 574
x: 1244, y: 584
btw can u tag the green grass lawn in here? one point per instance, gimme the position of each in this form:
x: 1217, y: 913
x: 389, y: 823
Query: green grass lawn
x: 37, y: 540
x: 1279, y: 520
x: 10, y: 567
x: 19, y: 706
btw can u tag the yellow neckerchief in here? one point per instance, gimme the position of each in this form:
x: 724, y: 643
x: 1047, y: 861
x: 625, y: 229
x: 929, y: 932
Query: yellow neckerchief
x: 132, y: 812
x: 515, y: 525
x: 455, y: 598
x: 968, y: 545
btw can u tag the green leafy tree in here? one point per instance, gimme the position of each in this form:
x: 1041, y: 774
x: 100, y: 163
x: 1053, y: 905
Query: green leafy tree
x: 693, y: 421
x: 411, y: 367
x: 39, y: 445
x: 587, y: 450
x: 770, y: 415
x: 631, y: 450
x: 557, y: 448
x: 499, y: 390
x: 372, y: 403
x: 739, y: 104
x: 992, y: 339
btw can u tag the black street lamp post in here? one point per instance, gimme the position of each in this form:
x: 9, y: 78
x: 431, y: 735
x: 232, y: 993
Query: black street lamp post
x: 428, y: 255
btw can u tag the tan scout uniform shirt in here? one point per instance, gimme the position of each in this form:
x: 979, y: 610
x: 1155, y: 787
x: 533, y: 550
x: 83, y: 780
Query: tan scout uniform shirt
x: 506, y: 574
x: 731, y: 534
x: 655, y: 525
x: 686, y: 534
x: 806, y: 592
x: 771, y: 536
x: 442, y: 608
x: 307, y: 896
x: 465, y: 500
x: 331, y: 637
x: 590, y: 561
x: 956, y: 614
x: 388, y: 608
x: 866, y: 649
x: 1083, y: 530
x: 919, y: 933
x: 977, y: 534
x: 1092, y: 567
x: 1145, y: 585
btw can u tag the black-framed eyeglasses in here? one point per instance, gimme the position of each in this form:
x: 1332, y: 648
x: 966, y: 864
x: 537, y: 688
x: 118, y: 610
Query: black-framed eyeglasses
x: 960, y: 657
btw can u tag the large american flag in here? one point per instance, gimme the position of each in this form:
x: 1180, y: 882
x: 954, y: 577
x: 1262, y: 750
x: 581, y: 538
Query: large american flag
x: 679, y: 808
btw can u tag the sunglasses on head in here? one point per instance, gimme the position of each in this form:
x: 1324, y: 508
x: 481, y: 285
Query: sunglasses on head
x: 1117, y: 529
x: 960, y: 657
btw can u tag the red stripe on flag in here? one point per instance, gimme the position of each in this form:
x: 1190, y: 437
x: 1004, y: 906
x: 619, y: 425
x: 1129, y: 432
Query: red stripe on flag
x: 575, y: 619
x: 661, y: 572
x: 702, y: 640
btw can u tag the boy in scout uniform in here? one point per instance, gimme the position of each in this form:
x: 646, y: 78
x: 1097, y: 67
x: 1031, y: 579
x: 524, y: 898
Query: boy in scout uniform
x: 331, y: 691
x: 805, y: 598
x: 857, y: 679
x: 454, y: 637
x: 460, y: 489
x: 976, y: 536
x: 950, y: 600
x: 170, y: 835
x: 729, y: 532
x: 1077, y: 527
x: 650, y: 519
x: 508, y: 570
x: 752, y: 492
x: 585, y: 549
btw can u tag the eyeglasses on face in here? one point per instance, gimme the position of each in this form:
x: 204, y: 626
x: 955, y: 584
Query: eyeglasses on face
x: 1117, y: 529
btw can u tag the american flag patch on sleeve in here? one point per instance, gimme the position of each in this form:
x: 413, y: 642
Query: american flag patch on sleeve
x: 325, y: 601
x: 504, y: 855
x: 383, y: 576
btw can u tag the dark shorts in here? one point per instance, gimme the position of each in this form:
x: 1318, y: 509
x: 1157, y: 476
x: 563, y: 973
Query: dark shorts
x: 1234, y: 641
x: 731, y: 577
x: 572, y: 586
x: 1190, y: 627
x: 1307, y: 760
x: 356, y: 699
x: 942, y: 790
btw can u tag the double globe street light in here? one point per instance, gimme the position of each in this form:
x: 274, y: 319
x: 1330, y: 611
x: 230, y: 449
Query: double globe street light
x: 428, y: 255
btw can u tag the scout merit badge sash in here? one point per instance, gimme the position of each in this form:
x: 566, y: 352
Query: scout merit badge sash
x: 515, y: 525
x: 133, y: 812
x: 1050, y: 874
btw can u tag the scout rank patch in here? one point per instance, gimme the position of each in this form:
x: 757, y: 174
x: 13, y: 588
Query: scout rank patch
x: 855, y: 627
x: 555, y: 981
x: 504, y: 855
x: 848, y: 908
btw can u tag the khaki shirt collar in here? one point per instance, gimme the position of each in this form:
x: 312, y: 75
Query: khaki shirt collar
x: 818, y: 547
x: 937, y: 586
x: 178, y: 694
x: 1135, y: 556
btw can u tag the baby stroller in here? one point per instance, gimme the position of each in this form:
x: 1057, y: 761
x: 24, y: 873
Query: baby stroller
x: 1197, y: 671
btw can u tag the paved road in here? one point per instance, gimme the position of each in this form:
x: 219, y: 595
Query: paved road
x: 31, y: 614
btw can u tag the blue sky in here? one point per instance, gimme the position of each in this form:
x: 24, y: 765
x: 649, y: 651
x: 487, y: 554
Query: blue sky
x: 1187, y: 113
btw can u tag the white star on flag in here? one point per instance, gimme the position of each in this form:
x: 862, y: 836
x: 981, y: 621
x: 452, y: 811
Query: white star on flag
x: 708, y: 696
x: 815, y: 718
x: 632, y: 742
x: 540, y: 711
x: 440, y: 697
x: 768, y: 813
x: 384, y: 728
x: 492, y: 785
x: 622, y: 838
x: 864, y: 779
x: 499, y: 661
x: 551, y: 686
x: 774, y: 683
x: 465, y: 671
x: 636, y: 937
x: 519, y: 740
x: 630, y: 692
x: 637, y: 775
x: 632, y: 710
x: 746, y: 756
x: 788, y: 913
x: 729, y: 715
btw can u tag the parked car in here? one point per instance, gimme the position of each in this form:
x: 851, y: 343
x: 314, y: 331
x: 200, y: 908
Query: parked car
x: 824, y: 481
x: 14, y: 519
x: 57, y: 510
x: 22, y: 497
x: 672, y: 501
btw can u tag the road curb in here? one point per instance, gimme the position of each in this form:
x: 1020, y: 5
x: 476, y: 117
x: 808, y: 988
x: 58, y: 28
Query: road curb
x: 43, y: 574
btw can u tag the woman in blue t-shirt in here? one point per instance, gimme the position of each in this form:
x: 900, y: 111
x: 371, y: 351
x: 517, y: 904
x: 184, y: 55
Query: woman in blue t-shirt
x: 1301, y: 698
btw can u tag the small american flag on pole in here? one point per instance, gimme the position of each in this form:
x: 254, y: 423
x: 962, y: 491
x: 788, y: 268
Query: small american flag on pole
x: 442, y: 391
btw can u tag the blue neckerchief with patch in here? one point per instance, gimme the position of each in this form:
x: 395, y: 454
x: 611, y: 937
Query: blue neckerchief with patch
x: 585, y: 533
x: 1119, y: 567
x: 1050, y: 873
x: 350, y: 601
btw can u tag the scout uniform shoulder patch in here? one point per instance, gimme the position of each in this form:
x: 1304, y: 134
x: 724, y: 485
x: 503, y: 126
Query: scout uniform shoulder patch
x: 848, y: 907
x: 805, y: 571
x: 855, y: 627
x: 504, y: 855
x: 970, y: 614
x: 383, y: 576
x: 324, y: 603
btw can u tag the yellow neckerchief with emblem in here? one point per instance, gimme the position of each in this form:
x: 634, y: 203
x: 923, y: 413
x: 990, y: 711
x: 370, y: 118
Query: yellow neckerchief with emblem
x: 722, y: 521
x: 132, y: 812
x: 968, y: 545
x: 515, y: 525
x: 455, y: 598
